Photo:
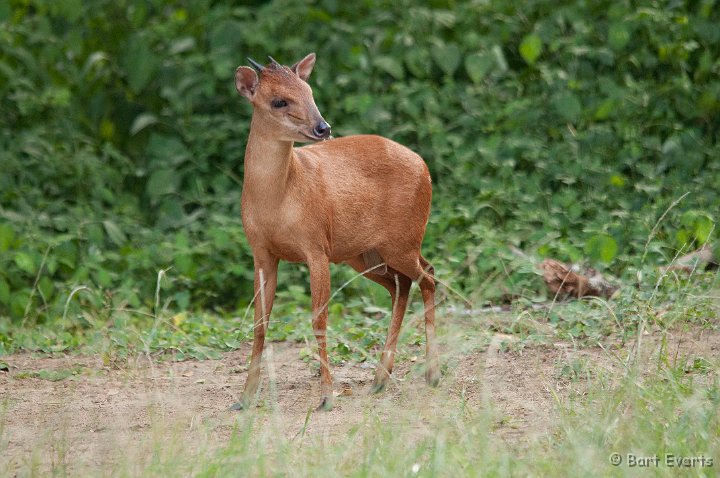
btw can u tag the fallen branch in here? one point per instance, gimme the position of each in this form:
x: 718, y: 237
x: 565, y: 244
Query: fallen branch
x: 563, y: 281
x: 698, y: 259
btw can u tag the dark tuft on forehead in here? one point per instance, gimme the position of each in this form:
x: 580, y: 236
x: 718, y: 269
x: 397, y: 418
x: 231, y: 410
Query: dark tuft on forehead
x: 277, y: 71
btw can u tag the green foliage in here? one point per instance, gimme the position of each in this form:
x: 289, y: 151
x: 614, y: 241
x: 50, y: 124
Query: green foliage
x: 601, y: 248
x: 696, y: 227
x: 121, y: 139
x: 530, y: 48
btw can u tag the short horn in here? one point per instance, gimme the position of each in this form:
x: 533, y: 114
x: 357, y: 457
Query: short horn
x: 256, y: 65
x: 274, y: 62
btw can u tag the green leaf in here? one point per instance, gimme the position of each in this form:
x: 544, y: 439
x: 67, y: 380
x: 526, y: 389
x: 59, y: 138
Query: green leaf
x: 170, y: 213
x: 500, y: 59
x: 226, y: 38
x: 618, y: 36
x: 601, y: 247
x: 71, y: 10
x: 46, y: 287
x: 683, y: 238
x: 182, y: 45
x: 94, y: 234
x: 418, y: 62
x: 568, y: 106
x: 102, y: 277
x: 167, y: 150
x: 141, y: 122
x: 18, y: 302
x: 447, y: 57
x: 605, y: 110
x: 7, y: 236
x: 531, y: 48
x: 94, y: 61
x: 703, y: 228
x: 4, y: 292
x: 698, y: 226
x: 66, y: 254
x: 226, y: 35
x: 184, y: 264
x: 115, y: 233
x: 391, y: 66
x: 139, y: 62
x: 162, y: 181
x: 617, y: 180
x: 5, y: 10
x: 25, y: 262
x: 478, y: 65
x: 182, y: 299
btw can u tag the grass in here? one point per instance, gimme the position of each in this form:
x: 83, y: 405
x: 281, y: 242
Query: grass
x: 644, y: 398
x: 667, y: 409
x: 50, y: 375
x: 656, y: 407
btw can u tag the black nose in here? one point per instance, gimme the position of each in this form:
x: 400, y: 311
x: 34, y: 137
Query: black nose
x: 322, y: 130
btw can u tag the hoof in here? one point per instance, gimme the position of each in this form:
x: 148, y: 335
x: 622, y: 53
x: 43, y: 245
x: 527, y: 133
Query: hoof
x: 244, y: 404
x: 432, y: 377
x: 382, y: 377
x: 326, y: 404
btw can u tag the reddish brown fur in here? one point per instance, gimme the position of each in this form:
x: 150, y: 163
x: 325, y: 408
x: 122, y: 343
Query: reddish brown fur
x: 331, y: 201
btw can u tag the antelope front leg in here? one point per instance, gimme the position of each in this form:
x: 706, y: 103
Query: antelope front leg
x: 265, y: 283
x: 320, y: 290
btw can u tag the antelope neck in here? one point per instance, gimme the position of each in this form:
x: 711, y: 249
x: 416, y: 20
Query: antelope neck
x: 268, y: 163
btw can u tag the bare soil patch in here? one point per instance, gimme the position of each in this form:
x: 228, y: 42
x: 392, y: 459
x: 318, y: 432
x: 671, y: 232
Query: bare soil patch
x: 91, y: 418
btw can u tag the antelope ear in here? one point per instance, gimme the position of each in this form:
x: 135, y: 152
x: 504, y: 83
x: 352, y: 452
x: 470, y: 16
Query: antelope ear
x: 304, y: 67
x: 246, y: 81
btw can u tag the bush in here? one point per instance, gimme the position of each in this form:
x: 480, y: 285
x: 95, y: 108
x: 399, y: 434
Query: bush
x: 566, y: 130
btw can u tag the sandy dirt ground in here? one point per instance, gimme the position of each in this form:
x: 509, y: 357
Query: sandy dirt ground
x: 89, y: 418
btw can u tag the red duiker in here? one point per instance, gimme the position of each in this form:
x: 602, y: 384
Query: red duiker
x: 363, y: 200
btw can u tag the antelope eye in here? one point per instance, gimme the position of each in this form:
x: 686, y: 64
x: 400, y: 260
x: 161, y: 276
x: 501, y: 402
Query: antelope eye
x: 278, y: 103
